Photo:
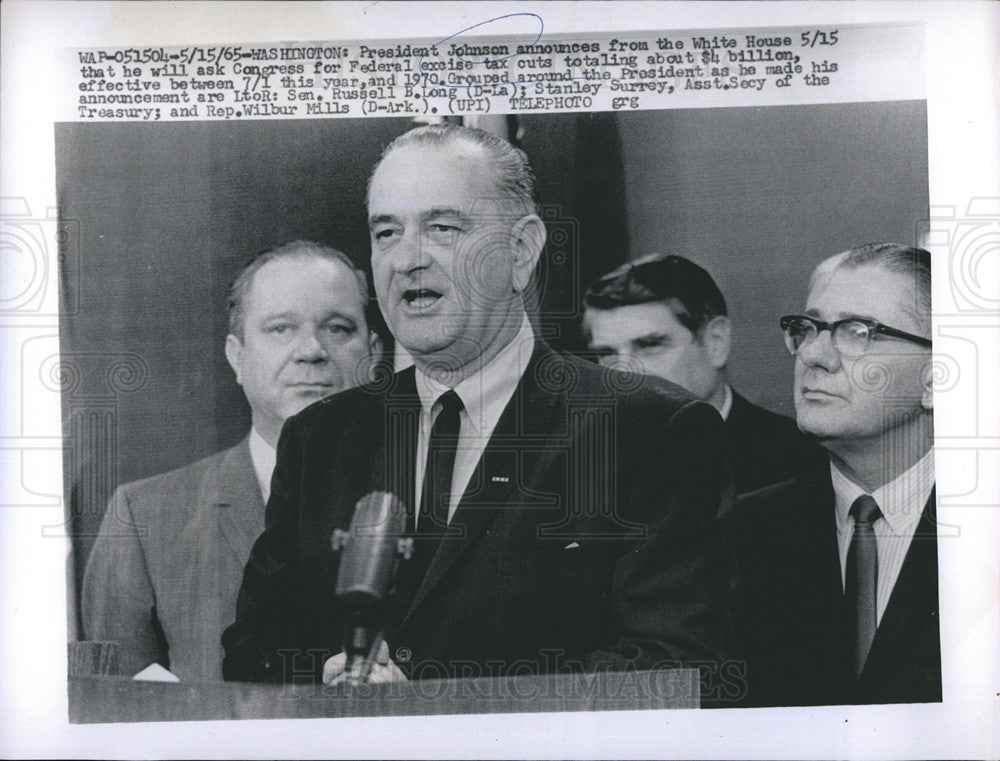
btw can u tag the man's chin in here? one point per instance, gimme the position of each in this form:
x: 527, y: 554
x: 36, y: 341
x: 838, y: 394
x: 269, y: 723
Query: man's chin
x: 820, y: 429
x: 302, y: 397
x: 424, y: 343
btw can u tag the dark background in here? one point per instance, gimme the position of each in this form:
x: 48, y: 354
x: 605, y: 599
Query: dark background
x: 167, y: 213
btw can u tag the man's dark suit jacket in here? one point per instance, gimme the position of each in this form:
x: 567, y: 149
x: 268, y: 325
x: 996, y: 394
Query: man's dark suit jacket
x: 764, y: 448
x: 791, y: 618
x: 592, y: 532
x: 162, y: 578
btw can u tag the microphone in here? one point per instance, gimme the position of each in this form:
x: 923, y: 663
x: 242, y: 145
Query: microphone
x: 367, y: 567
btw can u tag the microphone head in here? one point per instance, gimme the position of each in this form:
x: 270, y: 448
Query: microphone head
x: 368, y: 559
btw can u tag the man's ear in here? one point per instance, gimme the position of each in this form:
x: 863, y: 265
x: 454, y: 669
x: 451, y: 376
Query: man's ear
x: 374, y: 345
x: 527, y: 239
x: 717, y: 340
x: 234, y: 353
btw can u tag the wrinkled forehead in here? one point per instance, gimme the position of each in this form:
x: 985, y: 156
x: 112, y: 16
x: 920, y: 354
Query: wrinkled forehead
x: 633, y: 321
x: 421, y: 177
x: 308, y: 280
x: 870, y: 291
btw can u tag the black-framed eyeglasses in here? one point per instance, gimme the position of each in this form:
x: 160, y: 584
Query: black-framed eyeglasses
x: 851, y: 337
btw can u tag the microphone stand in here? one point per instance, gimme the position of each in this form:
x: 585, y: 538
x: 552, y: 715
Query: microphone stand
x: 359, y: 669
x: 369, y: 661
x: 367, y: 611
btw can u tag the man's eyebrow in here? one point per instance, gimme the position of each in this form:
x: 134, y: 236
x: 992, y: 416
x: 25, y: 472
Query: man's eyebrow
x: 842, y: 316
x: 293, y: 315
x: 380, y: 219
x: 651, y: 338
x: 444, y: 211
x: 336, y: 315
x: 286, y: 315
x: 855, y: 316
x: 432, y: 213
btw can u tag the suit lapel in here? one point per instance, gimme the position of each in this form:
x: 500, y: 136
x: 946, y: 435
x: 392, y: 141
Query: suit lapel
x: 238, y: 500
x: 815, y: 600
x: 737, y: 412
x: 502, y: 468
x: 815, y: 540
x: 828, y: 558
x: 916, y: 582
x: 394, y: 450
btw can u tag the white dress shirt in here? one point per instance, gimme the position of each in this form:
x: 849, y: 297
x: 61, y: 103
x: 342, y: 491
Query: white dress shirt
x: 484, y: 396
x: 727, y: 403
x: 902, y: 502
x: 263, y: 457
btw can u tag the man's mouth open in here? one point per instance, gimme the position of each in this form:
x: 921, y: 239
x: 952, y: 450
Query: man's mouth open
x: 421, y: 298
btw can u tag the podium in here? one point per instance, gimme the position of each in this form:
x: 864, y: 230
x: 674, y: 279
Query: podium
x: 108, y: 699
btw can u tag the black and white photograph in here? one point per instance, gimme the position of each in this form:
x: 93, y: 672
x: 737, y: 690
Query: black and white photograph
x: 421, y: 379
x: 639, y: 221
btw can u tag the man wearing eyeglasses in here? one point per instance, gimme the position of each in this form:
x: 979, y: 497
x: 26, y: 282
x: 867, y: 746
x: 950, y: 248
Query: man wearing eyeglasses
x: 665, y: 316
x: 839, y: 565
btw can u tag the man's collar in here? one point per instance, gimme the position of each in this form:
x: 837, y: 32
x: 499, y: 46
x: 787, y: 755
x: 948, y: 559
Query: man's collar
x: 727, y: 403
x: 263, y: 457
x: 485, y: 393
x: 901, y: 501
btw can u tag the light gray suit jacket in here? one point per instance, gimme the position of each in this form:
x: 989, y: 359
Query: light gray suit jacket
x: 170, y: 555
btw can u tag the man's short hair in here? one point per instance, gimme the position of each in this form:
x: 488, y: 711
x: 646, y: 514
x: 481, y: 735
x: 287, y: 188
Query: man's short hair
x: 511, y: 171
x: 909, y: 261
x: 297, y: 249
x: 686, y: 288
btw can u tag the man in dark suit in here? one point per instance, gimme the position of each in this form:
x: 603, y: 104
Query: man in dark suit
x: 839, y: 565
x: 664, y: 315
x: 579, y: 506
x: 162, y: 577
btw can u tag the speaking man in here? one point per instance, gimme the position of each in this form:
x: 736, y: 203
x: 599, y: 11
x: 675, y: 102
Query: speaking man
x: 163, y: 575
x: 664, y: 315
x: 839, y: 565
x: 565, y: 516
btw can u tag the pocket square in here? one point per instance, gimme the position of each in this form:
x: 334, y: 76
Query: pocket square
x: 572, y: 546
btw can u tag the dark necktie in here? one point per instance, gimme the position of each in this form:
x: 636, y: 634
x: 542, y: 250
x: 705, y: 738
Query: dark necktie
x: 435, y: 495
x: 862, y: 579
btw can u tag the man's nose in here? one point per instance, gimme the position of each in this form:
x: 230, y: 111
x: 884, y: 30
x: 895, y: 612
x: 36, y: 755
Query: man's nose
x: 309, y: 347
x: 408, y: 254
x: 819, y: 351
